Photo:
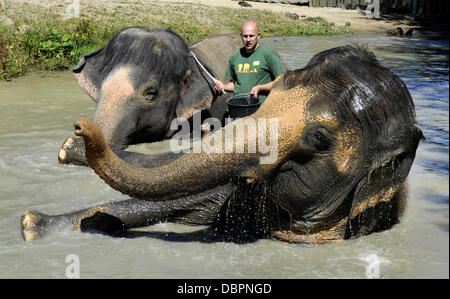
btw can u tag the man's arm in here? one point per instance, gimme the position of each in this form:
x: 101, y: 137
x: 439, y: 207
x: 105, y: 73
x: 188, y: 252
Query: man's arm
x: 276, y: 68
x: 258, y: 88
x: 218, y: 85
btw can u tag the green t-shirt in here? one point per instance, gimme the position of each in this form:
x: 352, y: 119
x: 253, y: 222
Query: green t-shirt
x: 259, y: 67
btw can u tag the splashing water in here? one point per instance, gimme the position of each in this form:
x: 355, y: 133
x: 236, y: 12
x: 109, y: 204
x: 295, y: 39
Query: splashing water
x: 247, y: 215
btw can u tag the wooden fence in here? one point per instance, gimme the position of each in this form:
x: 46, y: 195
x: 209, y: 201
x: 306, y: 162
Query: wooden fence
x: 413, y: 7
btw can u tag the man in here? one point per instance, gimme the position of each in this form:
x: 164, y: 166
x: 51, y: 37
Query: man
x: 251, y: 69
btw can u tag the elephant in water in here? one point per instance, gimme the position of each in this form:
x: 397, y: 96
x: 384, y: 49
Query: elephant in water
x: 165, y: 82
x: 346, y: 139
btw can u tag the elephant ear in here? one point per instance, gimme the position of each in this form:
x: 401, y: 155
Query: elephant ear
x: 87, y: 73
x: 379, y: 199
x: 198, y: 90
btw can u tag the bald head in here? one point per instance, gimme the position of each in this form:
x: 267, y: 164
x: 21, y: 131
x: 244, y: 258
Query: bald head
x: 250, y: 26
x: 250, y: 36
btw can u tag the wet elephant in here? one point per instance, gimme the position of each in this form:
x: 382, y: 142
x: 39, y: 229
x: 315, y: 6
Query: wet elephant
x: 346, y: 139
x: 141, y: 80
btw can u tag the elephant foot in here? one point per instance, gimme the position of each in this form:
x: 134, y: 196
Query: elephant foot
x: 73, y: 152
x: 34, y: 225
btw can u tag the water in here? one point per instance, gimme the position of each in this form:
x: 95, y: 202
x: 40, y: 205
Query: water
x: 36, y: 115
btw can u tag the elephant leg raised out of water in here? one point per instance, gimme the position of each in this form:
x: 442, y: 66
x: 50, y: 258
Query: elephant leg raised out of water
x: 119, y: 216
x: 345, y: 138
x: 142, y: 80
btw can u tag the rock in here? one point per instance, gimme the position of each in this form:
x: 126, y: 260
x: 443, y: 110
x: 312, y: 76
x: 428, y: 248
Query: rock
x: 292, y: 16
x: 396, y: 32
x: 409, y: 32
x: 244, y: 4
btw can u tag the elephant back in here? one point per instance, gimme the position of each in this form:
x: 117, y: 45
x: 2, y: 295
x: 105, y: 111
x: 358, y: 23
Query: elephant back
x: 215, y: 51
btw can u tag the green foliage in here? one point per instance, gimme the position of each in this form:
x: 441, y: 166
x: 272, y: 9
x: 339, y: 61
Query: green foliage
x: 315, y: 19
x: 57, y: 45
x: 46, y: 42
x: 37, y: 48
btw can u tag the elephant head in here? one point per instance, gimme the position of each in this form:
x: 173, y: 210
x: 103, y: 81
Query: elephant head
x: 347, y: 138
x: 141, y: 80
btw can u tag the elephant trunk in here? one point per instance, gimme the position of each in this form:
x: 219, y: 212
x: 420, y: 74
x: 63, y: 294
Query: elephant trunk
x: 187, y: 175
x: 116, y: 128
x: 114, y: 113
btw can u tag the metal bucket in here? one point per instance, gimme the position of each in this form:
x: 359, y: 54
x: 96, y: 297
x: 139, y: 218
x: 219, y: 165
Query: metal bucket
x: 242, y: 105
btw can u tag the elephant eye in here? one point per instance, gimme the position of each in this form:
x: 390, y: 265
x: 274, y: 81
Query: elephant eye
x: 150, y: 94
x: 319, y: 139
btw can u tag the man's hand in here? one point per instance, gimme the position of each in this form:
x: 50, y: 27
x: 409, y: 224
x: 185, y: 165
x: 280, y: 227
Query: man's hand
x: 255, y: 90
x: 258, y: 88
x: 218, y: 85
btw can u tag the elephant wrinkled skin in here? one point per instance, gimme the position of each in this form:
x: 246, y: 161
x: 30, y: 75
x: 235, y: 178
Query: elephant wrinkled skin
x: 347, y: 140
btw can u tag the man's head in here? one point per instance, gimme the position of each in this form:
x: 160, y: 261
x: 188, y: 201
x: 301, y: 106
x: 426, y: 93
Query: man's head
x: 250, y: 36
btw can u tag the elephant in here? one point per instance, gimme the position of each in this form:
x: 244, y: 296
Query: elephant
x: 347, y: 137
x: 166, y: 82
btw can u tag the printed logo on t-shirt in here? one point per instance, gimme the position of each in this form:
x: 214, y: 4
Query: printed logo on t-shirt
x: 245, y: 68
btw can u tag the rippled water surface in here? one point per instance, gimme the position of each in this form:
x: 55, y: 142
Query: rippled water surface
x: 36, y: 115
